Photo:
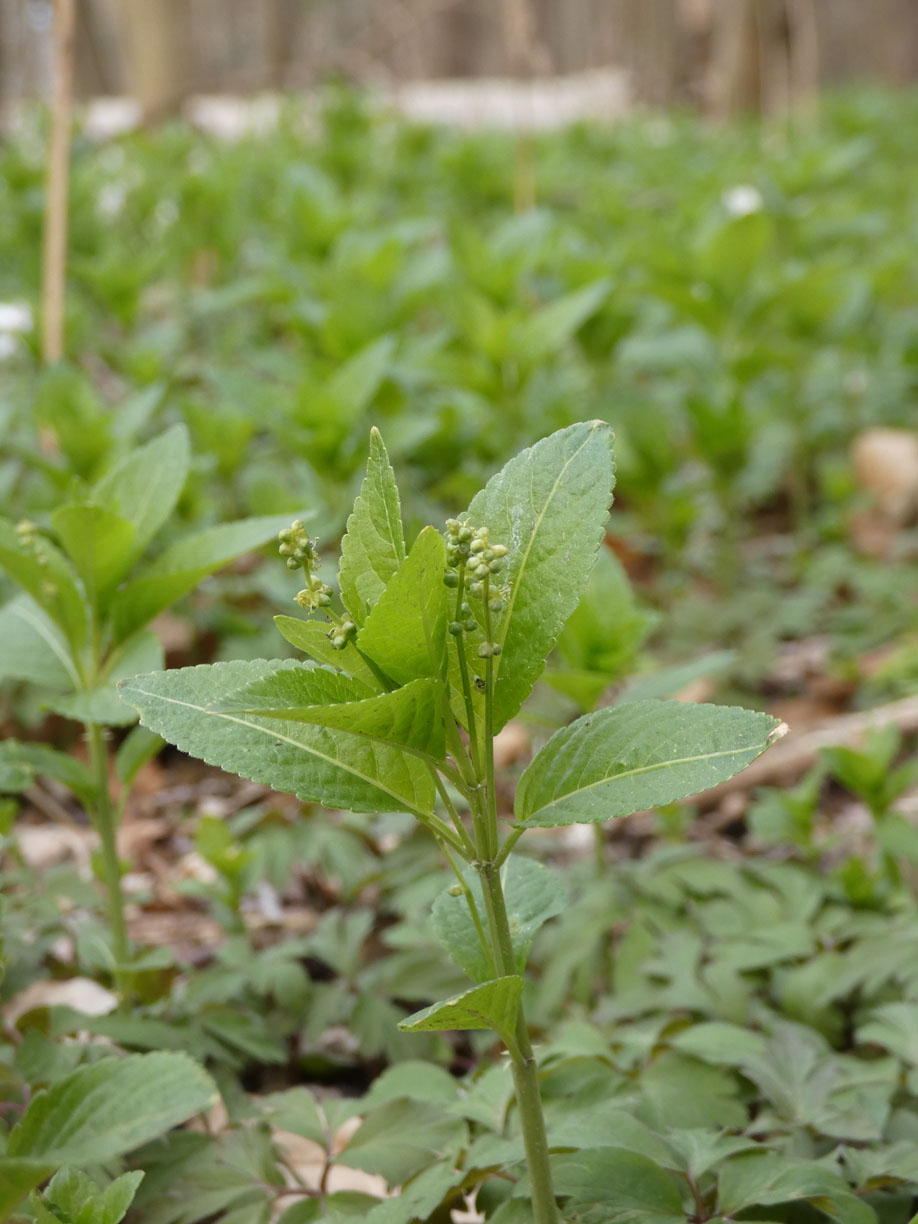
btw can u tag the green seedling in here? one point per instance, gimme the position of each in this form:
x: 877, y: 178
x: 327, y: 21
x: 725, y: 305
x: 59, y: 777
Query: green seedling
x: 412, y: 670
x: 89, y: 592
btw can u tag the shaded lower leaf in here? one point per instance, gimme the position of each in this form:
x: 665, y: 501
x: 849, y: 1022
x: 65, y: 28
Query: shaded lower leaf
x: 493, y: 1005
x: 532, y: 893
x: 402, y: 1137
x: 628, y: 1187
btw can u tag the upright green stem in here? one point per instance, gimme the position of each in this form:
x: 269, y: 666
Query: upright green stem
x: 522, y: 1059
x: 106, y: 826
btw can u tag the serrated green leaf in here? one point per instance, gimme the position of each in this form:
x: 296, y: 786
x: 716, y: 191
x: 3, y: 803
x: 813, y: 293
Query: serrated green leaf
x: 532, y: 893
x: 145, y: 485
x: 98, y: 1112
x: 182, y: 566
x: 630, y: 1187
x: 411, y: 716
x: 311, y: 636
x: 402, y: 1137
x: 549, y: 507
x: 374, y: 545
x: 405, y: 633
x: 766, y: 1179
x: 32, y: 647
x: 78, y: 1200
x: 99, y: 543
x: 637, y: 756
x: 492, y: 1005
x: 322, y: 764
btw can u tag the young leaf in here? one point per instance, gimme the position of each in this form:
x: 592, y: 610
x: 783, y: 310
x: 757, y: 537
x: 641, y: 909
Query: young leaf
x: 405, y: 633
x: 99, y: 543
x: 532, y: 894
x: 102, y: 703
x: 145, y: 486
x: 411, y: 716
x: 98, y: 1112
x: 80, y: 1201
x: 636, y: 756
x: 182, y: 566
x: 374, y: 546
x: 549, y: 506
x: 323, y: 764
x: 492, y: 1005
x: 311, y: 636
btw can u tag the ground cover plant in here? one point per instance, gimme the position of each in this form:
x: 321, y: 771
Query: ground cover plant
x: 721, y: 1000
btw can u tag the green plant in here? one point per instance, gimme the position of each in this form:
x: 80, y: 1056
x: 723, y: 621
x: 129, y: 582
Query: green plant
x: 89, y: 593
x: 95, y: 1113
x: 434, y: 649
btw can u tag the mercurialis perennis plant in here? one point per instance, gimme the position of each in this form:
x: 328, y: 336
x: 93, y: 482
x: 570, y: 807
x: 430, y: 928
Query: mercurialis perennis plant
x: 412, y: 669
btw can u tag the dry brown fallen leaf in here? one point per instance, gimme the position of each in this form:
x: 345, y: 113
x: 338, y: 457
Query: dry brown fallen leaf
x: 82, y: 994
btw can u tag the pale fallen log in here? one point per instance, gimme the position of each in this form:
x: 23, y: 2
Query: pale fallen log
x: 799, y: 751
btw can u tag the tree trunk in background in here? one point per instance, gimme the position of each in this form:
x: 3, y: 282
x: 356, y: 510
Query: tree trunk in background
x: 157, y: 53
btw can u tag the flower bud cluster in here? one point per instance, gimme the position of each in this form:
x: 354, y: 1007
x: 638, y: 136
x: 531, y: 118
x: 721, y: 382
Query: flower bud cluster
x: 343, y: 633
x: 299, y: 551
x: 472, y: 547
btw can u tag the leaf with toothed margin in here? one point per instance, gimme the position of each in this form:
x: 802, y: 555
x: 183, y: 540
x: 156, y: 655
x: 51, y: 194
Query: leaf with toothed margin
x: 635, y: 756
x: 323, y: 764
x: 549, y: 507
x: 492, y: 1005
x: 374, y: 546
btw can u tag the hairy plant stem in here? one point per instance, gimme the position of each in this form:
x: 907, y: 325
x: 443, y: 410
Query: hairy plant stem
x: 522, y: 1059
x: 106, y: 826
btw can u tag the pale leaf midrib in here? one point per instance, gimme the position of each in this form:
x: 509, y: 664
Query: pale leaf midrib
x: 641, y: 769
x: 278, y: 735
x: 518, y: 576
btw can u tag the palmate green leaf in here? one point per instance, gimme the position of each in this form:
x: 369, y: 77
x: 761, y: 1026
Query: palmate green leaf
x: 44, y: 573
x: 77, y: 1199
x: 766, y: 1179
x: 618, y: 1185
x: 99, y: 543
x: 411, y: 716
x: 32, y: 647
x: 311, y: 636
x: 492, y: 1005
x: 405, y: 633
x: 145, y: 486
x: 420, y: 1198
x: 402, y: 1137
x: 549, y: 506
x: 532, y: 893
x: 323, y: 764
x: 374, y: 546
x: 182, y: 566
x: 98, y: 1112
x: 636, y: 756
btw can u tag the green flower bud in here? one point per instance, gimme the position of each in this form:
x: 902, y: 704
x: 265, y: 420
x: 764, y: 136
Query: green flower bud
x: 482, y: 571
x: 478, y: 545
x: 455, y: 628
x: 495, y: 566
x: 450, y: 579
x: 485, y: 650
x: 465, y: 533
x: 475, y: 588
x: 499, y: 550
x: 471, y: 624
x: 456, y: 890
x: 496, y: 604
